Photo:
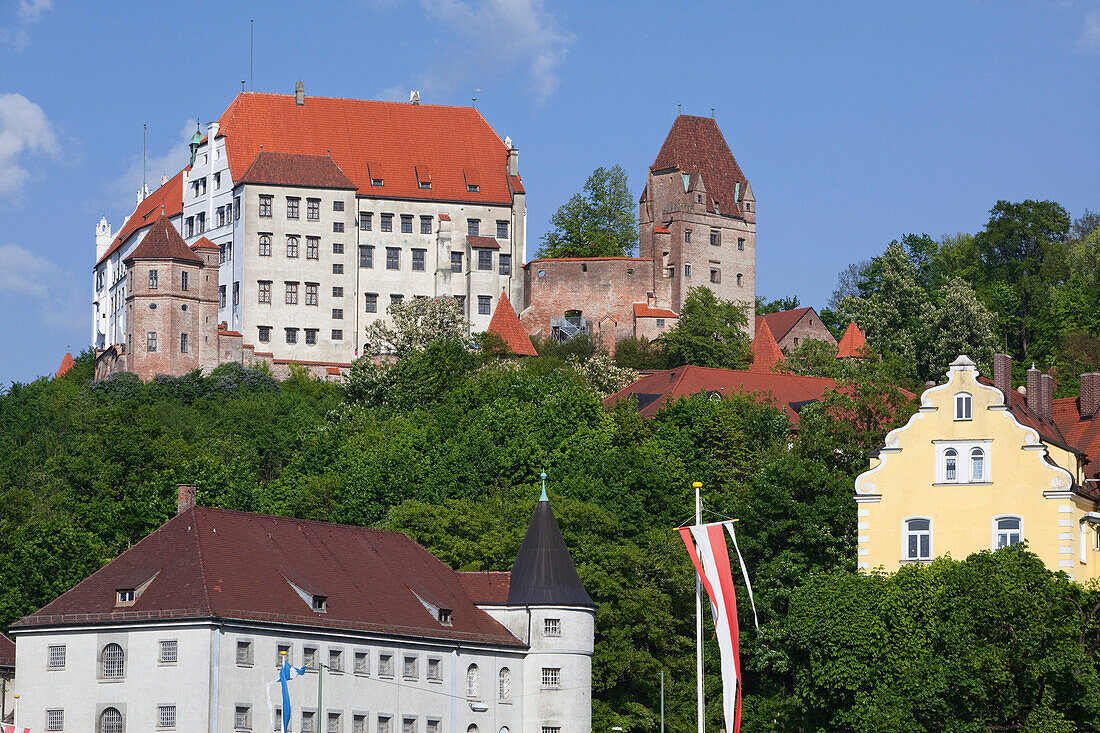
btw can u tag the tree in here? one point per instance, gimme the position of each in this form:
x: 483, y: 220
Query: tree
x: 764, y: 307
x: 601, y: 222
x: 710, y: 333
x: 416, y: 323
x: 639, y: 353
x: 960, y: 325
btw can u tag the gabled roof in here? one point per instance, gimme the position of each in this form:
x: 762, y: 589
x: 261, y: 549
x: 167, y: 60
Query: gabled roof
x: 367, y: 137
x: 505, y: 323
x: 788, y: 392
x: 483, y: 242
x: 765, y: 351
x: 216, y: 563
x: 289, y: 169
x: 163, y: 242
x: 695, y: 145
x: 544, y: 573
x: 644, y: 310
x: 67, y: 363
x: 782, y: 322
x: 852, y: 343
x: 170, y: 195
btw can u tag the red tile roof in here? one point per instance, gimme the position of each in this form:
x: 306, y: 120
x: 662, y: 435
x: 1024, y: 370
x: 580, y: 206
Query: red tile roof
x: 782, y: 322
x: 660, y: 230
x: 66, y: 364
x: 370, y: 139
x: 163, y: 242
x: 852, y: 343
x: 288, y: 169
x: 332, y: 370
x: 217, y: 563
x: 486, y: 588
x: 505, y: 323
x: 483, y: 242
x: 170, y: 195
x: 695, y: 145
x: 765, y: 351
x: 788, y: 392
x: 644, y: 310
x: 204, y: 243
x: 444, y: 217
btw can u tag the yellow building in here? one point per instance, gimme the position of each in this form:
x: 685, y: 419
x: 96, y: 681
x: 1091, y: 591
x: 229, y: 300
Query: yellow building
x: 972, y: 470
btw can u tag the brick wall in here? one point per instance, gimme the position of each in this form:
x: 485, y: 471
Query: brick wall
x: 808, y: 327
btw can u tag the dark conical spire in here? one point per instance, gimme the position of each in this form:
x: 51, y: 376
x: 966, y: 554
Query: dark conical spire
x: 544, y: 573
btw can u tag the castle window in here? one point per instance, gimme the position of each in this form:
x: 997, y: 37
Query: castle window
x: 292, y: 207
x: 112, y: 662
x: 371, y: 300
x: 313, y: 209
x: 313, y: 248
x: 337, y: 292
x: 396, y: 298
x: 265, y: 206
x: 715, y: 275
x: 364, y: 220
x: 337, y: 205
x: 201, y: 220
x: 418, y: 259
x: 918, y: 539
x: 950, y: 464
x: 166, y: 716
x: 152, y: 279
x: 337, y: 268
x: 473, y: 682
x: 485, y: 259
x: 409, y: 670
x: 236, y: 208
x: 740, y: 279
x: 55, y: 719
x: 264, y: 334
x: 183, y: 281
x: 393, y: 258
x: 337, y: 248
x: 242, y: 717
x: 456, y: 262
x: 715, y: 237
x: 183, y: 343
x: 338, y: 314
x: 189, y: 226
x: 337, y: 334
x: 551, y: 678
x: 551, y: 627
x: 1007, y: 531
x: 264, y: 291
x: 366, y: 255
x: 362, y: 662
x: 406, y: 224
x: 435, y: 670
x: 660, y: 323
x: 472, y: 188
x: 237, y: 293
x: 502, y: 229
x: 311, y: 293
x: 505, y: 262
x: 505, y: 692
x: 387, y: 222
x: 336, y: 660
x: 687, y: 235
x: 265, y: 245
x: 473, y: 227
x: 425, y: 225
x: 699, y: 198
x: 291, y: 246
x: 169, y: 652
x: 740, y: 243
x: 56, y: 657
x: 385, y: 665
x: 962, y: 406
x: 291, y: 294
x: 977, y: 465
x: 151, y: 341
x: 484, y: 305
x: 110, y: 721
x: 291, y: 335
x: 244, y: 653
x: 221, y: 296
x: 311, y: 339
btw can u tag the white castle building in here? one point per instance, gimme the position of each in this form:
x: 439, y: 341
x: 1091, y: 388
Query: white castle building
x: 185, y: 630
x: 328, y: 210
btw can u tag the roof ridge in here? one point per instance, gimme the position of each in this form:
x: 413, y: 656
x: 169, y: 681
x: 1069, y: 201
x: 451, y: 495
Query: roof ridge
x: 202, y: 564
x: 221, y: 510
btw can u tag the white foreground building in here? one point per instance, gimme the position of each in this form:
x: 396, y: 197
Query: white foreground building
x: 184, y: 631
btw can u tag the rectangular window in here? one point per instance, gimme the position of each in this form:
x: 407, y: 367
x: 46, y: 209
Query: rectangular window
x: 371, y: 300
x: 432, y: 726
x: 338, y: 313
x: 362, y: 663
x: 184, y: 281
x: 338, y: 227
x: 334, y: 723
x: 435, y: 670
x: 313, y: 209
x: 221, y: 296
x: 456, y: 262
x: 244, y: 648
x: 359, y: 724
x: 551, y: 627
x: 291, y: 335
x: 309, y: 657
x: 408, y: 725
x: 291, y: 246
x: 236, y: 208
x: 152, y: 279
x: 189, y: 226
x: 660, y: 323
x: 551, y: 677
x: 183, y: 343
x: 393, y: 258
x: 366, y: 255
x: 484, y: 305
x: 337, y: 334
x: 283, y: 651
x: 219, y: 216
x: 505, y: 262
x: 265, y: 245
x: 551, y: 729
x: 365, y: 220
x: 409, y: 671
x: 237, y: 293
x: 385, y: 665
x: 918, y: 539
x: 264, y: 334
x: 55, y: 719
x: 502, y: 229
x: 151, y: 341
x: 264, y: 291
x: 396, y: 298
x: 337, y: 205
x: 384, y: 724
x: 228, y: 213
x: 740, y: 243
x: 217, y: 181
x: 337, y: 292
x: 687, y: 235
x: 166, y: 716
x: 292, y: 207
x: 473, y: 227
x: 200, y: 221
x: 292, y: 293
x: 425, y: 225
x: 418, y: 259
x: 716, y: 275
x: 461, y: 300
x: 242, y: 717
x: 715, y: 237
x: 406, y: 223
x: 472, y: 188
x: 55, y: 656
x: 265, y: 206
x: 337, y: 248
x: 307, y: 721
x: 337, y: 268
x: 313, y: 248
x: 962, y: 406
x: 485, y: 259
x: 387, y: 222
x: 311, y: 336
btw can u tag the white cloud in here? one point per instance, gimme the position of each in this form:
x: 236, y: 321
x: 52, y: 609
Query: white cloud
x: 24, y: 129
x: 31, y: 10
x: 1091, y: 36
x: 53, y: 294
x: 124, y: 189
x: 28, y: 12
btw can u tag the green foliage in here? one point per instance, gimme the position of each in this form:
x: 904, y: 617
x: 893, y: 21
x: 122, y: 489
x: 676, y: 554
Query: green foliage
x: 581, y: 347
x: 764, y: 306
x: 415, y: 323
x: 710, y: 333
x: 601, y: 222
x: 639, y: 353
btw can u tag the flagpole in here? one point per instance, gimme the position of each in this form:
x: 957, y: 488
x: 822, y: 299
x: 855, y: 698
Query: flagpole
x: 697, y: 485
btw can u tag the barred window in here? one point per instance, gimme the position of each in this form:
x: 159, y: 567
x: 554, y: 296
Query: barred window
x: 408, y: 725
x: 169, y: 651
x: 309, y: 657
x: 166, y: 716
x: 385, y: 665
x: 409, y: 671
x: 551, y: 677
x: 55, y: 658
x: 383, y: 724
x: 359, y: 724
x: 242, y: 717
x: 113, y: 661
x: 551, y: 627
x: 334, y: 723
x: 55, y: 719
x: 110, y: 721
x: 244, y: 648
x: 505, y: 691
x: 307, y: 721
x: 336, y: 660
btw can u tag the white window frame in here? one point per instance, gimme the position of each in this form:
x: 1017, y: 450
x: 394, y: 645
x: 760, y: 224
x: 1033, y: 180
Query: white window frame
x: 964, y: 406
x: 963, y: 465
x: 996, y: 531
x: 976, y: 478
x: 905, y: 533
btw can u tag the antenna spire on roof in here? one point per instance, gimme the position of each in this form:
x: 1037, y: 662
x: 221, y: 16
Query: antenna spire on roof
x: 544, y: 497
x: 679, y: 108
x: 712, y: 113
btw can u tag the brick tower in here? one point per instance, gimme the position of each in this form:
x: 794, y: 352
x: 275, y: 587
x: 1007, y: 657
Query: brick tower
x: 697, y: 216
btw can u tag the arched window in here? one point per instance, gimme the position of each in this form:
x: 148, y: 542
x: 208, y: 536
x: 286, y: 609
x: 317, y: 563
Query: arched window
x: 977, y: 465
x: 113, y: 663
x: 1007, y: 531
x: 472, y: 728
x: 950, y: 464
x: 739, y: 276
x: 265, y: 245
x: 505, y: 692
x: 473, y: 682
x: 962, y: 406
x: 918, y: 538
x: 291, y: 246
x: 110, y: 721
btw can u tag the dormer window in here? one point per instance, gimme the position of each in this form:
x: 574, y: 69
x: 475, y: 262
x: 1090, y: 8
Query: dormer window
x: 426, y: 185
x: 445, y: 616
x: 472, y: 188
x: 962, y: 406
x: 376, y: 181
x: 320, y: 604
x: 125, y: 596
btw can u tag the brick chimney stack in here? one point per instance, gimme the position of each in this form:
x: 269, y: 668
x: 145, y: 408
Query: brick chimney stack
x: 1002, y: 373
x: 185, y: 498
x: 1090, y: 394
x: 1035, y: 390
x: 1048, y: 396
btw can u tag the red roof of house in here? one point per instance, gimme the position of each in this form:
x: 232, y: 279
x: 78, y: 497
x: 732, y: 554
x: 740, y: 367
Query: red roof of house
x: 170, y: 195
x: 218, y: 563
x: 204, y: 243
x: 67, y: 363
x: 444, y: 217
x: 660, y: 230
x: 644, y: 310
x: 789, y: 392
x: 782, y: 322
x: 765, y: 351
x: 486, y: 588
x: 369, y: 139
x: 483, y: 242
x: 163, y: 242
x: 852, y: 343
x: 332, y: 370
x: 695, y: 145
x: 288, y: 169
x: 505, y: 323
x: 7, y: 652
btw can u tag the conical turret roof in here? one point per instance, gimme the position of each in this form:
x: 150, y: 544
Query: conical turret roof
x: 544, y: 573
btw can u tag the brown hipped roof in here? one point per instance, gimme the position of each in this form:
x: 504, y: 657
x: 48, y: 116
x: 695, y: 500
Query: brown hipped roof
x: 765, y: 351
x: 216, y: 563
x: 852, y: 343
x: 505, y: 323
x: 303, y: 171
x: 696, y: 146
x: 163, y: 242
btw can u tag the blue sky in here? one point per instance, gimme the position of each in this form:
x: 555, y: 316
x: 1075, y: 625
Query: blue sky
x: 855, y: 122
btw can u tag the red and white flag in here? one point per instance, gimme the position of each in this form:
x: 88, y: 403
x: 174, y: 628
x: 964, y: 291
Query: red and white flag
x: 711, y: 558
x: 9, y: 728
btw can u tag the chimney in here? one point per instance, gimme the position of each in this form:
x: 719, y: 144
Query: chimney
x: 300, y: 93
x: 1090, y: 394
x: 513, y: 161
x: 1034, y: 390
x: 1002, y: 374
x: 1048, y: 396
x: 185, y: 498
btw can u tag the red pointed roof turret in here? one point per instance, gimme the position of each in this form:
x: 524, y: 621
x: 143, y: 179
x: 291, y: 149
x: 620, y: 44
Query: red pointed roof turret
x: 852, y: 344
x: 765, y: 351
x: 67, y: 363
x: 505, y: 323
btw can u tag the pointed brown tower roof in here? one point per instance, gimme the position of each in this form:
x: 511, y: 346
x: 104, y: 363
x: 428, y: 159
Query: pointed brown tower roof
x: 765, y: 351
x: 696, y: 146
x: 505, y: 323
x: 67, y: 363
x: 852, y: 343
x: 163, y: 242
x: 544, y: 573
